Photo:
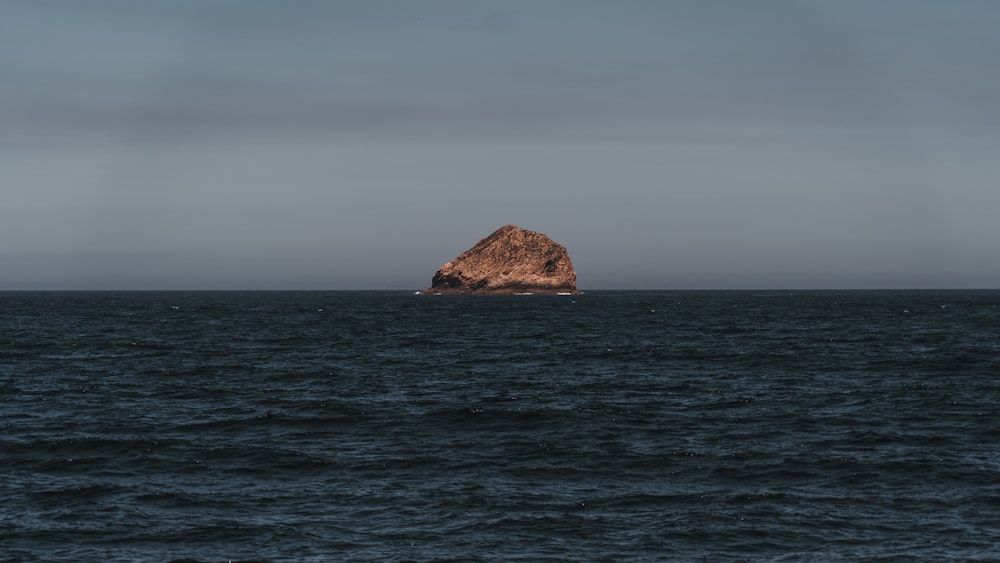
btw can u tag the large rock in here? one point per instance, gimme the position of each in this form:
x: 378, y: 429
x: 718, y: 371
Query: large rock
x: 511, y: 260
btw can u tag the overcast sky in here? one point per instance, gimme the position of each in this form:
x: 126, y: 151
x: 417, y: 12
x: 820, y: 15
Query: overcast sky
x: 293, y: 144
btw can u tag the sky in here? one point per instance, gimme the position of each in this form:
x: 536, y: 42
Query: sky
x: 668, y: 144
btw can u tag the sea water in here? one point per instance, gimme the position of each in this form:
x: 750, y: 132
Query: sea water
x: 608, y: 426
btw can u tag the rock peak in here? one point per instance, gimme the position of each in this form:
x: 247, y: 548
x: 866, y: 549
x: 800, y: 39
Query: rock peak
x: 509, y: 260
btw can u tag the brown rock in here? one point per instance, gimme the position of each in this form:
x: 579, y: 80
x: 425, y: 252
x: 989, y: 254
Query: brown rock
x: 511, y: 260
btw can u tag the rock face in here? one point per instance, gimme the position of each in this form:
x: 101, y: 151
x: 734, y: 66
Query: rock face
x: 511, y: 260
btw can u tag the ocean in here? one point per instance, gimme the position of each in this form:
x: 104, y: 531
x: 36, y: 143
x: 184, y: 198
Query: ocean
x: 607, y: 426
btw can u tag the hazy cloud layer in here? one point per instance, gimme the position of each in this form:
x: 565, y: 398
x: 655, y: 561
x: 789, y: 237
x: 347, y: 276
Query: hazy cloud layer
x: 360, y: 144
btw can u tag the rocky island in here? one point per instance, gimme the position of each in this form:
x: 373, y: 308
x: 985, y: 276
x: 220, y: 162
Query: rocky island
x: 511, y: 260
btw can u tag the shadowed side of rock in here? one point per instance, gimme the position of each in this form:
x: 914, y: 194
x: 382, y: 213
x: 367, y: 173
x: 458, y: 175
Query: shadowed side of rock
x: 510, y: 260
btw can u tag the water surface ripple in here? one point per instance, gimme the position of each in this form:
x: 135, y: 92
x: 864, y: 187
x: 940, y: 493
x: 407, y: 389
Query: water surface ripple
x: 608, y: 426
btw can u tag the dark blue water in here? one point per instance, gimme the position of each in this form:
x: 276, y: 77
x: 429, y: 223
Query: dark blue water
x: 609, y: 426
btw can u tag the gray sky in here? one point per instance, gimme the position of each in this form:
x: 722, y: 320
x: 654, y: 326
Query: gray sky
x: 292, y: 144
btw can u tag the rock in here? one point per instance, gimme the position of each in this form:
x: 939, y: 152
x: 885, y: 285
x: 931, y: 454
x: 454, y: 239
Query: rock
x: 511, y: 260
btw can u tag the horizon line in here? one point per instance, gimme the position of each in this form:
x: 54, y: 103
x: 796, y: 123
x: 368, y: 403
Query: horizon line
x: 423, y: 292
